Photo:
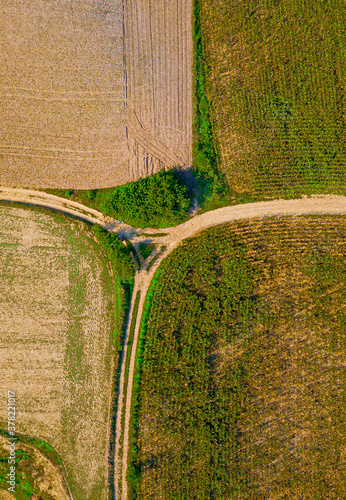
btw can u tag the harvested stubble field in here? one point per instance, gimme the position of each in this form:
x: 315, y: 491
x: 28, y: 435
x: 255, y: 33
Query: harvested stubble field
x: 158, y: 44
x: 94, y: 94
x: 275, y: 78
x: 57, y: 341
x: 242, y: 383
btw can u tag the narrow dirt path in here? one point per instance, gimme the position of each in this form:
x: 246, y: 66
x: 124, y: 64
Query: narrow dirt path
x: 43, y: 199
x: 324, y: 204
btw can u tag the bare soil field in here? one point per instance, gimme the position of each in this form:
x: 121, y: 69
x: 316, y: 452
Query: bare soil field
x: 158, y: 39
x: 4, y: 495
x: 56, y: 328
x: 94, y: 94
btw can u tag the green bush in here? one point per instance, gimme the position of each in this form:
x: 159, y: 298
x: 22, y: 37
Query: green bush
x: 146, y: 249
x: 157, y: 201
x: 118, y: 254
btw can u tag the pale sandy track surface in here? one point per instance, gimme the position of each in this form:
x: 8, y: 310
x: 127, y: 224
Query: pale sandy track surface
x: 49, y: 200
x: 94, y: 94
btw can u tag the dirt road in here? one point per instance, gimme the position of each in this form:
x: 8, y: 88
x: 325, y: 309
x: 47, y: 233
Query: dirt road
x: 173, y: 237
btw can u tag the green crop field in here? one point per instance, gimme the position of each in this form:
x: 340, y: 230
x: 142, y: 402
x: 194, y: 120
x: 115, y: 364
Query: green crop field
x: 242, y: 381
x: 270, y: 96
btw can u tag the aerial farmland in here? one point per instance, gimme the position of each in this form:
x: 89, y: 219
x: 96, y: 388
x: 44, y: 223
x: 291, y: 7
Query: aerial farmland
x: 270, y: 88
x: 172, y: 250
x: 94, y: 94
x: 242, y: 375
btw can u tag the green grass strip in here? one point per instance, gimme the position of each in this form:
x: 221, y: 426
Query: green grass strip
x: 205, y: 159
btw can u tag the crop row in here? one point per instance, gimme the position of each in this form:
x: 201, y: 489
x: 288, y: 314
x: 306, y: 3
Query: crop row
x: 275, y: 87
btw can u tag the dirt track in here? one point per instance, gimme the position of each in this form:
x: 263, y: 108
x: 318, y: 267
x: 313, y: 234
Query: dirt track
x: 315, y: 205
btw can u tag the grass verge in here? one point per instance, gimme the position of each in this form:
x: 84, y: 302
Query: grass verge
x: 205, y: 159
x: 30, y: 474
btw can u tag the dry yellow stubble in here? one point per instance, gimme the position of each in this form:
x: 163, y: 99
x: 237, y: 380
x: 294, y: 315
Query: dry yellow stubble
x: 94, y: 94
x: 56, y: 325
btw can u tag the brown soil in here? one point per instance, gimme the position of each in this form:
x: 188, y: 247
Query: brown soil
x: 158, y: 51
x: 94, y: 94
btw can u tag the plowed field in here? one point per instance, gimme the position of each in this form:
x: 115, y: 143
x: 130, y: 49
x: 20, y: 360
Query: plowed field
x: 94, y: 94
x: 56, y: 329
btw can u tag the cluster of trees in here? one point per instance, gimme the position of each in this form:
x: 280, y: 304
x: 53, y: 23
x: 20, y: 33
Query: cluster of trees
x: 160, y: 200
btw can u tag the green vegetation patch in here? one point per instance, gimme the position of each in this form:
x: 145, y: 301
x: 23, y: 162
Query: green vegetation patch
x: 241, y: 389
x: 159, y: 200
x: 31, y: 470
x: 156, y: 201
x: 118, y: 254
x: 275, y: 84
x: 146, y: 249
x: 205, y: 159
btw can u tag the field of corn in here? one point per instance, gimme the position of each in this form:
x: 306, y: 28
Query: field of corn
x: 270, y: 93
x: 241, y: 389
